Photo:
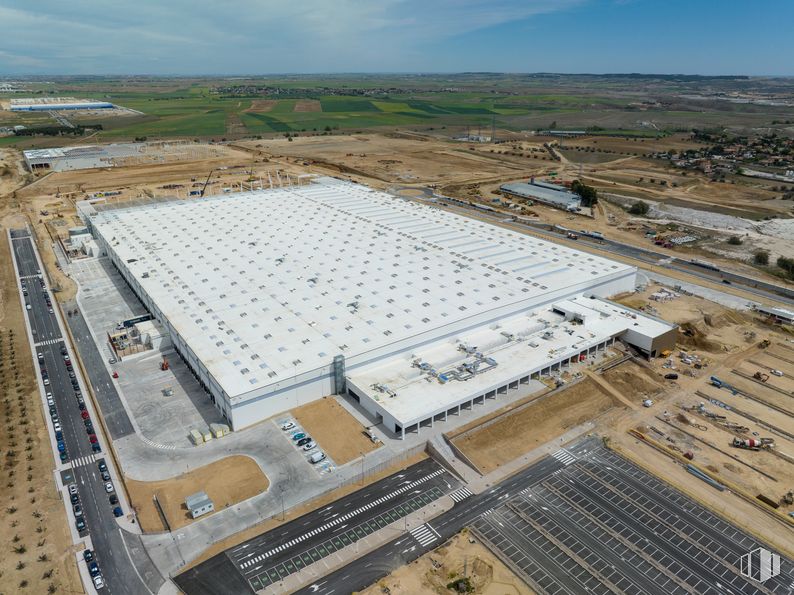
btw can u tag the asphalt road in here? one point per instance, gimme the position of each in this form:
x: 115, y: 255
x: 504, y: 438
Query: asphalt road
x: 116, y: 419
x: 579, y: 521
x: 115, y: 548
x: 404, y: 549
x: 748, y: 284
x: 273, y: 555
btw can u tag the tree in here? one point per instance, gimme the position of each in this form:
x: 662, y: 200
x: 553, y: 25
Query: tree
x: 761, y: 257
x: 588, y: 194
x: 639, y: 208
x: 787, y: 264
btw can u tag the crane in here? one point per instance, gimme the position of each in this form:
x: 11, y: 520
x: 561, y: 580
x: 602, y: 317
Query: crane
x: 204, y: 188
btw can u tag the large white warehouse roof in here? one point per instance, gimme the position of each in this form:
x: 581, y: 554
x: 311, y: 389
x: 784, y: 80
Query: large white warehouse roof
x: 269, y: 284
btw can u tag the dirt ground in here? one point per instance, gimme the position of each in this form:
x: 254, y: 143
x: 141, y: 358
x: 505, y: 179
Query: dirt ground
x: 262, y: 105
x: 534, y: 425
x: 457, y: 558
x: 337, y: 432
x: 226, y: 482
x: 308, y: 105
x: 34, y: 537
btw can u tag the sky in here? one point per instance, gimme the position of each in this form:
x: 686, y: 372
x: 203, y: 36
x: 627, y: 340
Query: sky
x: 193, y: 37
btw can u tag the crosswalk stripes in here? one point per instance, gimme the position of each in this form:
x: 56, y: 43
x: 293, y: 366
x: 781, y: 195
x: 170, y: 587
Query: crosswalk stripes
x: 48, y: 342
x: 461, y: 494
x: 424, y: 534
x: 487, y: 512
x: 563, y: 456
x: 80, y: 461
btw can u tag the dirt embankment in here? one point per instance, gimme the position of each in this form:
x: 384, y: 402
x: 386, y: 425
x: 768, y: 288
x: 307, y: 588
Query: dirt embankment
x: 226, y: 482
x: 534, y: 425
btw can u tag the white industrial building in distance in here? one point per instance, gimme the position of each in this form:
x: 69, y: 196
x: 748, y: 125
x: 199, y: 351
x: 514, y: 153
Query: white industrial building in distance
x: 278, y: 297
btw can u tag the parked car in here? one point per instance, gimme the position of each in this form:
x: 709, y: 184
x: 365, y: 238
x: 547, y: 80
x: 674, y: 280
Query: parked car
x: 299, y: 436
x: 74, y: 498
x: 79, y: 525
x: 64, y: 457
x: 105, y: 476
x: 108, y: 487
x: 92, y: 439
x: 287, y: 425
x: 93, y: 568
x: 113, y: 499
x: 78, y: 510
x: 98, y: 582
x: 59, y: 435
x: 72, y: 488
x: 56, y: 426
x: 88, y: 555
x: 102, y: 465
x: 317, y: 457
x: 672, y: 376
x: 117, y: 512
x: 96, y: 447
x: 89, y: 429
x: 46, y: 382
x: 309, y: 445
x: 303, y: 441
x: 61, y: 446
x: 84, y: 414
x: 777, y: 373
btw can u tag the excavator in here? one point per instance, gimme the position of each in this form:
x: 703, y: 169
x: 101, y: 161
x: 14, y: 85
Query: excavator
x: 761, y: 377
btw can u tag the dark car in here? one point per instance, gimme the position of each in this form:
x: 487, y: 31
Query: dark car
x: 59, y: 435
x: 87, y: 421
x: 84, y: 414
x: 105, y: 476
x: 80, y: 525
x: 96, y: 448
x: 64, y: 457
x: 303, y: 441
x: 74, y: 498
x: 93, y: 568
x: 89, y: 429
x: 63, y: 350
x: 117, y: 512
x: 88, y: 555
x: 671, y: 376
x: 81, y: 406
x: 114, y: 499
x: 102, y: 466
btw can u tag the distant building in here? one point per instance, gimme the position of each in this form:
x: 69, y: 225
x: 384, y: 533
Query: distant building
x: 48, y: 104
x: 563, y: 133
x: 199, y: 504
x: 550, y: 194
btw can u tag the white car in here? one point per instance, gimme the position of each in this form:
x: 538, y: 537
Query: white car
x: 287, y: 425
x: 56, y: 426
x: 72, y: 488
x: 776, y: 372
x: 46, y: 382
x: 98, y: 582
x: 108, y: 487
x: 27, y: 306
x: 309, y: 445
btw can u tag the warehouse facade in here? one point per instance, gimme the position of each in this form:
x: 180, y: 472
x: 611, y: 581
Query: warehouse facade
x: 275, y: 298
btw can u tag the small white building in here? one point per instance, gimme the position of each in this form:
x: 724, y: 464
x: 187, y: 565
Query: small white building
x: 199, y: 504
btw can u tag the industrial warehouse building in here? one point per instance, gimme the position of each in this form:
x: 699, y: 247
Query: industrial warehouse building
x: 278, y: 297
x: 49, y: 104
x: 552, y: 195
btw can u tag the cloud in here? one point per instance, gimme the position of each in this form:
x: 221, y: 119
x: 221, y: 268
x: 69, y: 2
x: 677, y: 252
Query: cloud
x: 243, y: 36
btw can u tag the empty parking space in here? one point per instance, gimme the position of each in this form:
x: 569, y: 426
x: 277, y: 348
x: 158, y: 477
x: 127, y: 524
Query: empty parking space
x: 261, y: 577
x: 604, y: 525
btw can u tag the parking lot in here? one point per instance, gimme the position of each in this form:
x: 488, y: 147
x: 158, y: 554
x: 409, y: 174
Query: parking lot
x: 165, y: 404
x: 306, y: 445
x: 602, y: 525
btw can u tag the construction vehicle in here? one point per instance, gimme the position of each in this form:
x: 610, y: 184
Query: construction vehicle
x: 753, y: 443
x: 204, y: 188
x: 788, y: 498
x: 764, y: 344
x: 164, y: 365
x: 761, y: 377
x: 572, y: 236
x: 720, y: 384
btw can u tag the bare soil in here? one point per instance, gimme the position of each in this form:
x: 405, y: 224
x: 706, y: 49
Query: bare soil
x: 226, y: 482
x: 534, y: 425
x: 334, y: 430
x: 457, y: 558
x: 262, y: 105
x: 308, y: 105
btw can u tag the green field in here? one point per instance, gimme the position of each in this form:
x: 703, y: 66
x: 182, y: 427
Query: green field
x: 202, y: 108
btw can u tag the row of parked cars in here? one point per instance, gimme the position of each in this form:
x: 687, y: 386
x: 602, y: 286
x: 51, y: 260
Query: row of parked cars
x: 303, y: 441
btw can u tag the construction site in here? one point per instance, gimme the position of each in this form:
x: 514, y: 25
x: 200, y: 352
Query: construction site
x: 705, y: 404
